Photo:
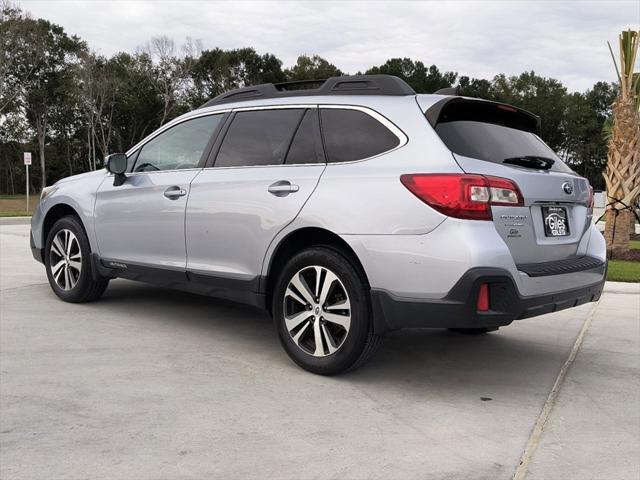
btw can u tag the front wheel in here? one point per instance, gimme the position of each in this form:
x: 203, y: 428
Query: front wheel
x: 68, y: 265
x: 322, y: 313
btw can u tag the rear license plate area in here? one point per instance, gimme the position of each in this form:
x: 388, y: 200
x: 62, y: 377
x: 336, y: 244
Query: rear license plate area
x: 556, y: 221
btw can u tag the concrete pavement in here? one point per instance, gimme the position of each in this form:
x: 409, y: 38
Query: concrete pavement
x: 149, y: 383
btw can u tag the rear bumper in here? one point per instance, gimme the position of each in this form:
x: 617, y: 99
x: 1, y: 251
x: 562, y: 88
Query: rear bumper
x: 458, y: 308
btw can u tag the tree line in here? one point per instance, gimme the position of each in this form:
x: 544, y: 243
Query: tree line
x: 71, y: 106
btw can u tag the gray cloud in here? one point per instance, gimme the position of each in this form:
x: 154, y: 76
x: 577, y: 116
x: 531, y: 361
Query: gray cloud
x: 565, y: 40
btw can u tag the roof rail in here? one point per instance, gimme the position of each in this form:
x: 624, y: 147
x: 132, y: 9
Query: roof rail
x: 345, y: 85
x: 448, y: 91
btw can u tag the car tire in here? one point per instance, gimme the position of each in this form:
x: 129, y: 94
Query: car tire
x: 346, y: 337
x: 67, y: 259
x: 474, y: 331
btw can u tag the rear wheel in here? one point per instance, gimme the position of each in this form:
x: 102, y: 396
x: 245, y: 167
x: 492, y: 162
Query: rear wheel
x: 68, y: 265
x: 322, y: 313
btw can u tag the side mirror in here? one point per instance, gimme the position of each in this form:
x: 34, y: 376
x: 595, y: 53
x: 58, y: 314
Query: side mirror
x: 116, y: 163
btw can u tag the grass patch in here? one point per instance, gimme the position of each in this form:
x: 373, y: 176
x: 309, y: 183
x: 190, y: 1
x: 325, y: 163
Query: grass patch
x: 16, y: 205
x: 623, y: 271
x: 634, y: 244
x: 15, y: 214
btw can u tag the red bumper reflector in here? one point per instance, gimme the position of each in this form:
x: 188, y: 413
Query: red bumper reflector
x: 483, y: 298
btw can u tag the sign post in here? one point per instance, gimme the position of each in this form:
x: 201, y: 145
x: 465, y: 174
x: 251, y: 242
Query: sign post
x: 27, y: 162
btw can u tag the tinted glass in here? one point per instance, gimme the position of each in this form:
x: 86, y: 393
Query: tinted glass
x: 306, y: 146
x: 353, y: 135
x: 259, y: 137
x: 179, y: 147
x: 494, y: 143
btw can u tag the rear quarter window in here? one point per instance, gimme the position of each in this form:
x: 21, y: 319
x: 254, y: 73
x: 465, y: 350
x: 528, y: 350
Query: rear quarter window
x: 351, y: 135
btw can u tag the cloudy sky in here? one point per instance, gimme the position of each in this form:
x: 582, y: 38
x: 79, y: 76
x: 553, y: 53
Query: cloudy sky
x: 561, y: 39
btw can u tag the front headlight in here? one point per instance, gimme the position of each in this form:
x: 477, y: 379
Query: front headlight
x: 47, y: 191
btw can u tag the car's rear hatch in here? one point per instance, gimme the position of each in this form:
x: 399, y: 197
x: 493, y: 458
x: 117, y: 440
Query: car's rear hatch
x: 488, y: 138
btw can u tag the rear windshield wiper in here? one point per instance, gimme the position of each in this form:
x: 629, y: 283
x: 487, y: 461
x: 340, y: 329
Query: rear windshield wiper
x: 531, y: 161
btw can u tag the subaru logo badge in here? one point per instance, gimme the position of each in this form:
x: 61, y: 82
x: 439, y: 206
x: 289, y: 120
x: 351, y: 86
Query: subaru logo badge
x: 567, y: 188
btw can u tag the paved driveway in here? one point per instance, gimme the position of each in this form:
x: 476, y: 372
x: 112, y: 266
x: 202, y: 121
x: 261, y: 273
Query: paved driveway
x: 149, y: 383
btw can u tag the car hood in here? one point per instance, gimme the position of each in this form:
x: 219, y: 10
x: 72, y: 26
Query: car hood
x: 88, y: 176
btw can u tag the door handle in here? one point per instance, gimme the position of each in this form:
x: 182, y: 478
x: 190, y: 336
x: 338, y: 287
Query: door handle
x: 173, y: 193
x: 282, y: 188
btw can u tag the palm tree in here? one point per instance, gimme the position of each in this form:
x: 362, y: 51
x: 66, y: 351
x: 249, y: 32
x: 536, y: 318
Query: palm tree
x: 622, y: 175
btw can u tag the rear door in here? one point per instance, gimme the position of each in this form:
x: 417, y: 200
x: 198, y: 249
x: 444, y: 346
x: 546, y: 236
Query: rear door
x: 499, y: 140
x: 268, y: 163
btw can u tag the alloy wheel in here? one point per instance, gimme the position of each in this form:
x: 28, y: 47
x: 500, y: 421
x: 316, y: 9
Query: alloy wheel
x: 65, y: 259
x: 317, y: 311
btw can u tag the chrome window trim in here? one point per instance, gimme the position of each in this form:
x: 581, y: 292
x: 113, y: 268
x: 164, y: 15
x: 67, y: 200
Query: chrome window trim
x: 403, y: 139
x: 275, y: 107
x: 393, y: 128
x: 166, y: 127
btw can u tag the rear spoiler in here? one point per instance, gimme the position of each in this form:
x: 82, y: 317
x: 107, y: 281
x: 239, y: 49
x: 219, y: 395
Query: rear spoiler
x: 452, y: 109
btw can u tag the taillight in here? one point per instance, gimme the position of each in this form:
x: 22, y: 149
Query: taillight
x: 463, y: 195
x: 590, y: 197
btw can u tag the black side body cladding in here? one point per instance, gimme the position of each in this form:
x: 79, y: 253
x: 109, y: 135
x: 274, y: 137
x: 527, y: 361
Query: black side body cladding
x: 234, y: 289
x: 456, y: 310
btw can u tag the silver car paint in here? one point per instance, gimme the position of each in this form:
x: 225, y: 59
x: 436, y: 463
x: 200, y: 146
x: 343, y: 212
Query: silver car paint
x: 136, y: 223
x: 232, y: 217
x: 77, y: 192
x: 405, y: 247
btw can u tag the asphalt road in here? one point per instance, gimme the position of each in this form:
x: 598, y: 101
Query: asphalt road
x: 149, y: 383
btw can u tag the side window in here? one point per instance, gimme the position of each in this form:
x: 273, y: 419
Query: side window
x: 131, y: 160
x: 179, y: 147
x: 258, y: 137
x: 353, y: 135
x: 306, y: 146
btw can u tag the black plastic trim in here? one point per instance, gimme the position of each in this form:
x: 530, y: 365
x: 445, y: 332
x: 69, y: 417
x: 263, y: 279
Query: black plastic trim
x: 238, y: 290
x: 558, y: 267
x: 38, y: 253
x: 458, y: 308
x: 344, y: 85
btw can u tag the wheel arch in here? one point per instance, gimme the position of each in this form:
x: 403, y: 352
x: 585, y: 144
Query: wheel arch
x: 55, y: 213
x: 298, y: 240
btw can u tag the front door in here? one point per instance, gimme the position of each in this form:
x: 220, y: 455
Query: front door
x: 141, y: 222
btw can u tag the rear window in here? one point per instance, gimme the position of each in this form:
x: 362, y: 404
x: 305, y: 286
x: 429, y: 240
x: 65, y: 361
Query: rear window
x: 490, y: 131
x: 495, y: 143
x: 354, y: 135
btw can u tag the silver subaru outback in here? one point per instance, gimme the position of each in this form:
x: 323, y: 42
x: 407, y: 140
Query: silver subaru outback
x: 345, y: 210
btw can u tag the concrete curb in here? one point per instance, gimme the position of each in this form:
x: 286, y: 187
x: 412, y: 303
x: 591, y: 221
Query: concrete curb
x: 15, y: 220
x: 622, y: 287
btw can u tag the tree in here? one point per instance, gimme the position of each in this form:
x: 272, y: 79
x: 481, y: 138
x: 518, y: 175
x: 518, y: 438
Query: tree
x: 172, y: 71
x: 584, y: 148
x: 311, y: 68
x: 419, y: 77
x: 476, y: 87
x: 218, y: 71
x: 40, y: 68
x: 622, y: 175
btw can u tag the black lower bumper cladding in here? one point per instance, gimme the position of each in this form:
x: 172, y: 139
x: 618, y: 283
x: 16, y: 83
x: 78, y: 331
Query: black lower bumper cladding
x: 38, y: 253
x: 459, y: 308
